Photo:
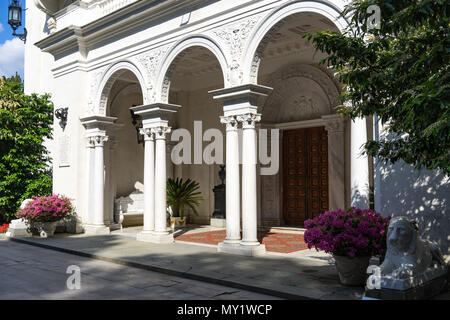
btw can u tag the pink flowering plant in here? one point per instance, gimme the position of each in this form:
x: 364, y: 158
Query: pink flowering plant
x: 351, y: 233
x: 47, y: 209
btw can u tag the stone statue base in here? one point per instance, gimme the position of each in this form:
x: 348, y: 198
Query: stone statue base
x: 18, y: 228
x: 423, y: 286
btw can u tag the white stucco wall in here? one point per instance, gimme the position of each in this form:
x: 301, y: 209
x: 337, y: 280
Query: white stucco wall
x: 421, y: 195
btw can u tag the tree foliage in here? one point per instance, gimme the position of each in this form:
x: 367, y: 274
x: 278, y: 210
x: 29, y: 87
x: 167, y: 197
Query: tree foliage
x: 400, y: 72
x: 25, y: 122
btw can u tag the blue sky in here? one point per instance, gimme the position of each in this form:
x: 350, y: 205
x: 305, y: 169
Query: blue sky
x: 11, y: 48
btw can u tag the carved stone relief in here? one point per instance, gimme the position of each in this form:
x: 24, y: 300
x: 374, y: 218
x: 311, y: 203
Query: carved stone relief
x: 235, y: 37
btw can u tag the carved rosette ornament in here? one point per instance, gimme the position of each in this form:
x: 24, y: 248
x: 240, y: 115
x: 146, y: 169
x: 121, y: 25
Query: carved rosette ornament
x: 235, y: 36
x: 249, y: 120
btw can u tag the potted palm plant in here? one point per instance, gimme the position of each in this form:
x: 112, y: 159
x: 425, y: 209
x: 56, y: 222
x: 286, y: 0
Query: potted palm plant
x: 180, y: 196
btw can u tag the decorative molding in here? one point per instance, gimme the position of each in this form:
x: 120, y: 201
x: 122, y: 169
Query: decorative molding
x: 334, y: 123
x: 287, y: 80
x: 109, y: 6
x: 161, y: 132
x: 148, y: 133
x: 235, y: 37
x: 249, y: 120
x: 231, y: 122
x: 259, y: 54
x: 99, y: 141
x: 94, y: 82
x: 151, y: 61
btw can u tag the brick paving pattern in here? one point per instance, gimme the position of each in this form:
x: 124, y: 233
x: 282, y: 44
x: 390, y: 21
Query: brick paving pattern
x: 275, y: 242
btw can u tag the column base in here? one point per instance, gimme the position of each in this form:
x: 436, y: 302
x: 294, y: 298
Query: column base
x: 96, y: 230
x: 242, y: 250
x: 115, y: 226
x: 218, y: 223
x: 153, y: 237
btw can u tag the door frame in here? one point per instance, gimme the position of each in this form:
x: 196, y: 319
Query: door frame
x: 335, y: 125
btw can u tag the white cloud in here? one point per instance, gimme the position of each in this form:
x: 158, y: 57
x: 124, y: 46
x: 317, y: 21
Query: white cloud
x: 11, y: 57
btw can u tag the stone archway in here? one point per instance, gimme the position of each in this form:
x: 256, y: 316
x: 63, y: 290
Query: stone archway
x: 109, y: 77
x: 269, y: 25
x: 176, y: 53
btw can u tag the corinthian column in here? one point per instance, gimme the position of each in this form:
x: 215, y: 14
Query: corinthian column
x: 161, y: 233
x: 249, y: 196
x: 149, y: 185
x: 241, y: 103
x: 99, y: 180
x: 232, y: 194
x: 155, y: 120
x: 96, y: 127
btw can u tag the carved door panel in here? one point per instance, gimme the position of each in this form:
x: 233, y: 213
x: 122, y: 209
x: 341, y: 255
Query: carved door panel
x: 305, y: 174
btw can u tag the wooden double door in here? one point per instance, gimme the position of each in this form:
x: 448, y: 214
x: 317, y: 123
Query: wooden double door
x: 305, y: 174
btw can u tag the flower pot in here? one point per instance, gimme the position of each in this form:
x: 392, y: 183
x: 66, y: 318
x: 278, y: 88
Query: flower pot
x: 177, y: 222
x: 352, y: 271
x: 44, y: 229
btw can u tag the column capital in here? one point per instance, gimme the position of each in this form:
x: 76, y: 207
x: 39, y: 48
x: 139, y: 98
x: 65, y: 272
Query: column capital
x: 148, y: 133
x: 90, y: 142
x: 99, y: 140
x: 161, y: 131
x: 249, y: 120
x: 334, y: 123
x: 231, y: 122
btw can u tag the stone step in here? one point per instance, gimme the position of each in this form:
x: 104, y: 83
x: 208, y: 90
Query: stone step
x: 293, y: 230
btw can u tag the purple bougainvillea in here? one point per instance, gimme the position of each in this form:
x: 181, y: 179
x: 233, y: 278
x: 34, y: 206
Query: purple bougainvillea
x: 47, y: 209
x: 352, y: 233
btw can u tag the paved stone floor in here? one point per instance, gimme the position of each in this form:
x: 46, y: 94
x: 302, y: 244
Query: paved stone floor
x: 303, y: 275
x: 28, y: 272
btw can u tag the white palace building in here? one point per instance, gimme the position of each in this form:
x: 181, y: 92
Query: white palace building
x: 137, y: 76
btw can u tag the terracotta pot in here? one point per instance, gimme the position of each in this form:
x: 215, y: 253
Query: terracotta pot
x: 352, y: 271
x: 44, y: 229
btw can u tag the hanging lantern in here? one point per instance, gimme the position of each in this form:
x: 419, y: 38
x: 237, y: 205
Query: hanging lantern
x: 15, y: 19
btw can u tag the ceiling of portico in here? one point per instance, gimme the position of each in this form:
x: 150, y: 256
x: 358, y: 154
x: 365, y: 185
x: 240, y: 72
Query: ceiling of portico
x: 285, y: 43
x: 196, y: 68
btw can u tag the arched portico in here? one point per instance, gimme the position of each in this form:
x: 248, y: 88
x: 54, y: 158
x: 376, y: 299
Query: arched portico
x: 111, y: 138
x: 109, y: 77
x: 176, y: 53
x: 274, y: 20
